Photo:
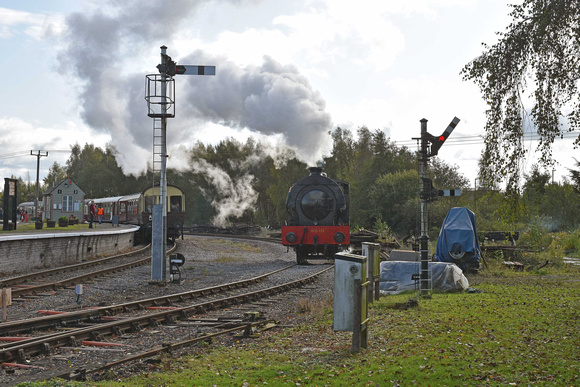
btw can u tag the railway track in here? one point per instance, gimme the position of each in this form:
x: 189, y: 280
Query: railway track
x: 62, y: 269
x: 22, y: 290
x: 61, y: 342
x: 23, y: 350
x: 54, y: 319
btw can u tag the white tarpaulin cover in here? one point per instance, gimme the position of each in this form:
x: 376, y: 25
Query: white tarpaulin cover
x: 396, y: 276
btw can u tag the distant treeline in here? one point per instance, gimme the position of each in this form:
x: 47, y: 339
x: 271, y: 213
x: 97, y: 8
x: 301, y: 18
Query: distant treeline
x: 235, y: 182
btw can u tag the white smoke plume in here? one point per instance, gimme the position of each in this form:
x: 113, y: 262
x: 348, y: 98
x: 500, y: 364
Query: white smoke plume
x: 105, y: 50
x: 235, y: 196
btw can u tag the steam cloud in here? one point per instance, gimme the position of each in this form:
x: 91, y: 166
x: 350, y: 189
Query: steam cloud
x: 268, y: 99
x: 236, y: 196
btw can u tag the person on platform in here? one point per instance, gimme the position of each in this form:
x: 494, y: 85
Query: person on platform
x: 92, y: 214
x: 100, y: 212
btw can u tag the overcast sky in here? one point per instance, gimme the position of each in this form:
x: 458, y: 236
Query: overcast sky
x: 287, y: 72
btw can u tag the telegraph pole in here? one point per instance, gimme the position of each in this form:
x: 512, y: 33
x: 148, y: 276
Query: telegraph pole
x: 38, y: 156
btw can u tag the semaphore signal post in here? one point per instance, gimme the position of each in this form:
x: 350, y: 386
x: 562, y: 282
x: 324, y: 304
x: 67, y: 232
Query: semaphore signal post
x: 429, y: 146
x: 160, y: 97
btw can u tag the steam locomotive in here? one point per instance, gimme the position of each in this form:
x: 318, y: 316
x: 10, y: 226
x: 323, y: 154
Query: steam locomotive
x: 319, y: 220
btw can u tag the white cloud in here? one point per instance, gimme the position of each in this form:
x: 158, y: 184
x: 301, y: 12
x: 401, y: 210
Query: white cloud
x: 34, y: 25
x: 19, y: 137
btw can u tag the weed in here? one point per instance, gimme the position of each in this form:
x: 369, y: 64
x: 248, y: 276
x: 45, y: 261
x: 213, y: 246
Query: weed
x: 314, y: 307
x: 224, y: 258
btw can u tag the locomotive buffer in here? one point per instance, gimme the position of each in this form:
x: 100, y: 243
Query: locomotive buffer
x: 160, y: 96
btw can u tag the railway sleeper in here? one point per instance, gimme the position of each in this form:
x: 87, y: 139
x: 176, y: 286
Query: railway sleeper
x: 96, y: 336
x: 135, y: 326
x: 152, y: 322
x: 73, y: 342
x: 20, y: 355
x: 79, y: 375
x: 248, y: 330
x: 171, y: 319
x: 198, y: 310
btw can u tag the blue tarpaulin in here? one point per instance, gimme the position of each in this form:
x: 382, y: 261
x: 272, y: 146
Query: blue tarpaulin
x: 457, y: 240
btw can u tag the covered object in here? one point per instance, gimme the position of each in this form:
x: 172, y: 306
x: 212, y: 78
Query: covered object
x: 457, y: 242
x: 396, y: 277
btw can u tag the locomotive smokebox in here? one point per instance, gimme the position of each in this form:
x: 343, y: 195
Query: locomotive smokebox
x: 319, y: 219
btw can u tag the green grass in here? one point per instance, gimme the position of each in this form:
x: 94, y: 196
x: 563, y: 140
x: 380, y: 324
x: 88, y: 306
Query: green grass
x: 521, y: 330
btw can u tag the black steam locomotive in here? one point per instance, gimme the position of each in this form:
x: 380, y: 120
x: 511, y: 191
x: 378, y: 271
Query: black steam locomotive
x: 318, y: 226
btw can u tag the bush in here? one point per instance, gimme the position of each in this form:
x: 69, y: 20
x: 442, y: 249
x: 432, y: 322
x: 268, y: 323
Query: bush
x: 63, y: 218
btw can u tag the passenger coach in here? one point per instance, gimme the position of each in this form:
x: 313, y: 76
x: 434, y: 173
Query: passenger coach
x: 137, y: 209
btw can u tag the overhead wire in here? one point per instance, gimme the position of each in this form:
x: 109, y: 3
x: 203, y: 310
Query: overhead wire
x: 27, y: 153
x: 478, y: 139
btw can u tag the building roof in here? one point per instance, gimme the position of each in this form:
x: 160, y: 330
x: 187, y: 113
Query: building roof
x: 67, y: 181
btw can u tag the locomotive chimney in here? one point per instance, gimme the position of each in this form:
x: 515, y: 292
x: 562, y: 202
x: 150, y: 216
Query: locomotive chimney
x: 315, y: 171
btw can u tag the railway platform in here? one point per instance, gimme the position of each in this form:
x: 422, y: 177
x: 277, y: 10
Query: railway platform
x: 32, y: 249
x: 57, y: 232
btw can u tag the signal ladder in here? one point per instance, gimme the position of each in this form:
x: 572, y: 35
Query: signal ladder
x: 159, y: 147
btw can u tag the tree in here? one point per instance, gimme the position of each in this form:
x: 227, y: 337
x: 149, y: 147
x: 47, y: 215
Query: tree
x: 575, y: 176
x: 535, y: 187
x: 56, y: 173
x: 394, y: 197
x: 96, y: 171
x: 539, y: 47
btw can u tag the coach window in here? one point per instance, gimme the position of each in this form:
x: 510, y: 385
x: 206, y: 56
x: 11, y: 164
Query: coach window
x: 149, y: 201
x: 67, y: 203
x: 175, y: 203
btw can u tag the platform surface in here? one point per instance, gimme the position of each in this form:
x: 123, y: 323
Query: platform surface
x: 60, y: 232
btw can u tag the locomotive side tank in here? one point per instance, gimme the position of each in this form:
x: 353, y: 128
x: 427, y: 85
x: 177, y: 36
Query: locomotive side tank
x: 318, y: 226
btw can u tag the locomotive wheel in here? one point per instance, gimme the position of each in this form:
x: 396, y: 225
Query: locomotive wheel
x: 179, y: 228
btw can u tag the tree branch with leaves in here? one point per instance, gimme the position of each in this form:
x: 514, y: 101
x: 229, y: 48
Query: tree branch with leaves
x: 538, y: 57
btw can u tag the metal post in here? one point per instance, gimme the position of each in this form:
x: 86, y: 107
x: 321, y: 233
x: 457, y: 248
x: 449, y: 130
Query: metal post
x: 159, y: 229
x: 163, y: 175
x: 38, y: 156
x: 424, y: 187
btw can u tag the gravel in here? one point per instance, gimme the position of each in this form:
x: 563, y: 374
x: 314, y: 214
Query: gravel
x: 208, y: 262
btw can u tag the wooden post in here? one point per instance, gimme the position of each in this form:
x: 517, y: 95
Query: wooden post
x: 373, y: 253
x: 6, y: 300
x: 356, y: 330
x: 360, y: 327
